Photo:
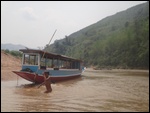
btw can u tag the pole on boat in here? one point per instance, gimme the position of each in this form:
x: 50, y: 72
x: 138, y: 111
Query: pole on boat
x: 50, y: 41
x: 48, y: 44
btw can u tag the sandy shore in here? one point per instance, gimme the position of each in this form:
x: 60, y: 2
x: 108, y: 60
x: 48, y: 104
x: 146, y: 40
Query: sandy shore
x: 7, y: 74
x: 9, y: 63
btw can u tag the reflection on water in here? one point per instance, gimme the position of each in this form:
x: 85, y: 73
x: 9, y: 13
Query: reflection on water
x: 94, y: 91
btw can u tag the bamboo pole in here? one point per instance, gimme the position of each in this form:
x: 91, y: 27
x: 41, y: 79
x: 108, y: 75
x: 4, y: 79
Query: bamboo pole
x: 49, y: 42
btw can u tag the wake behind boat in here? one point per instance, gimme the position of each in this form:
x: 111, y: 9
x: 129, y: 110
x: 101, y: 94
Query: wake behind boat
x: 60, y: 67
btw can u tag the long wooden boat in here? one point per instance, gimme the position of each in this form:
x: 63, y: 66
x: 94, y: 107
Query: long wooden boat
x: 60, y: 67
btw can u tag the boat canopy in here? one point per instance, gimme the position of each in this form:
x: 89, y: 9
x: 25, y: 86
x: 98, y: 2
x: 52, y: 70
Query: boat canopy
x: 50, y: 55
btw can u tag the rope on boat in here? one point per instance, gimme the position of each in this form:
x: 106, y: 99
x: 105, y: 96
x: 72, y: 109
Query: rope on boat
x: 35, y: 76
x: 17, y: 80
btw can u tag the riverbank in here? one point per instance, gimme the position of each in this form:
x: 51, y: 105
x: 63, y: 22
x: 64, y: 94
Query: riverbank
x: 9, y: 63
x: 118, y: 70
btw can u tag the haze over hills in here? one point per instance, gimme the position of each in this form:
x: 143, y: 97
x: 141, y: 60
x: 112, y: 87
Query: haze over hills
x: 10, y: 46
x: 120, y: 40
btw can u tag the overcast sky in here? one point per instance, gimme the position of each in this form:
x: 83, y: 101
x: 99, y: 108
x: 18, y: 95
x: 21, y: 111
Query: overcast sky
x: 32, y: 24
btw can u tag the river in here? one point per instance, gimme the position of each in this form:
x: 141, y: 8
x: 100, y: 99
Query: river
x: 95, y: 90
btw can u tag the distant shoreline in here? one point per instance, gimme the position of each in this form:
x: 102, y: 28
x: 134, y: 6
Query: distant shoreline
x: 137, y: 70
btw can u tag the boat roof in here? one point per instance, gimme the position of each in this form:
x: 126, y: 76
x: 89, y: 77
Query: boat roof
x: 49, y: 55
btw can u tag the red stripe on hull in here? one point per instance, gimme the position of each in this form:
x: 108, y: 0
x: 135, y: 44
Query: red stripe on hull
x: 39, y: 79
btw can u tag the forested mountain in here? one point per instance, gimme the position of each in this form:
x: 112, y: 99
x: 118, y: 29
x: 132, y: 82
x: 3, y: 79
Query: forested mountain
x: 118, y: 41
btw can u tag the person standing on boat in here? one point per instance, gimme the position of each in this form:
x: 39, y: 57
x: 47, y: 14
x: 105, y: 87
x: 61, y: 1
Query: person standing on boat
x: 47, y: 82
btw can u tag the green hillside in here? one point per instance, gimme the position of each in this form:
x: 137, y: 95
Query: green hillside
x: 117, y: 41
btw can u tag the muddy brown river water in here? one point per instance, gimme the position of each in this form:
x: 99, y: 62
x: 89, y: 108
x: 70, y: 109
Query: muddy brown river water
x: 95, y: 90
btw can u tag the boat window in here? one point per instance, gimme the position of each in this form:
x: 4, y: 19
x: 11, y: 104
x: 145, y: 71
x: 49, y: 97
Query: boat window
x: 49, y: 63
x: 66, y: 64
x: 58, y: 63
x: 30, y: 59
x: 43, y: 62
